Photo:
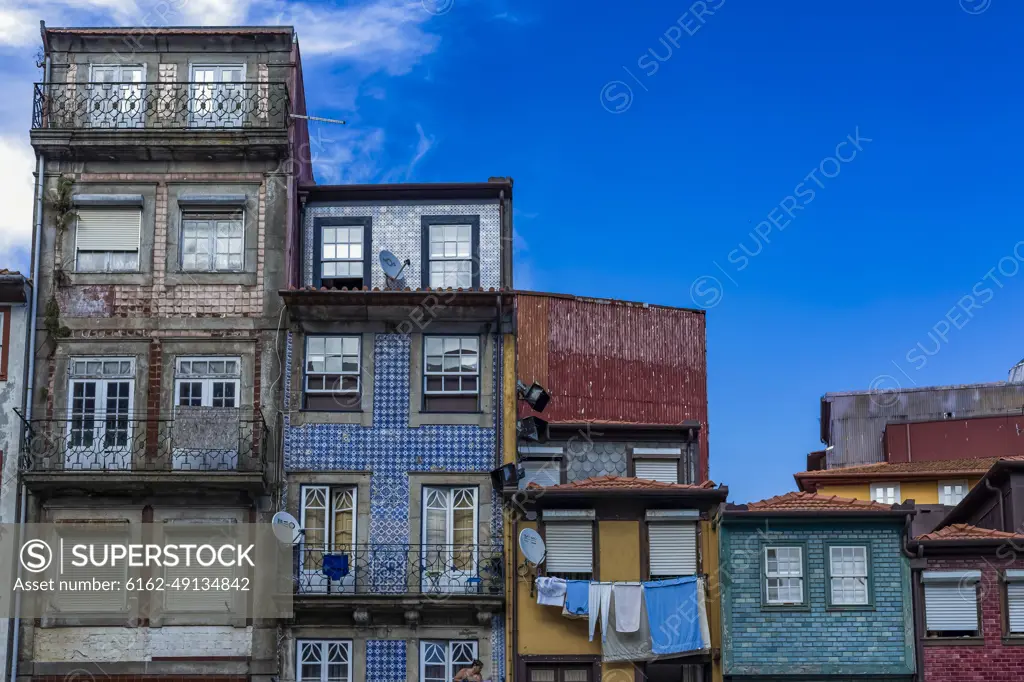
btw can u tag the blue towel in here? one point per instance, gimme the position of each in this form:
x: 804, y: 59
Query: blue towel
x: 577, y: 597
x: 335, y: 566
x: 674, y: 615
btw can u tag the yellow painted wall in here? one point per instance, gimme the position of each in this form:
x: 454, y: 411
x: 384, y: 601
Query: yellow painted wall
x: 508, y: 406
x: 922, y: 492
x: 711, y: 566
x: 618, y: 546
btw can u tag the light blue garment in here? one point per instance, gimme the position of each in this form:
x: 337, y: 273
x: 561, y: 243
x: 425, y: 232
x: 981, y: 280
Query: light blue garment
x: 674, y: 615
x: 577, y: 597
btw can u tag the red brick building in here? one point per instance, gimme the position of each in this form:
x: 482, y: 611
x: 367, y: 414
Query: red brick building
x: 968, y: 578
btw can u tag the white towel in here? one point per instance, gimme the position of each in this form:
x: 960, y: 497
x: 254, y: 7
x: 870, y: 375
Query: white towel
x: 600, y: 603
x: 550, y: 591
x: 627, y: 607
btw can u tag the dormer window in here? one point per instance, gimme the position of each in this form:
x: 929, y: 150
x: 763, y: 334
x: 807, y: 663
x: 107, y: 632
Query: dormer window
x: 343, y: 245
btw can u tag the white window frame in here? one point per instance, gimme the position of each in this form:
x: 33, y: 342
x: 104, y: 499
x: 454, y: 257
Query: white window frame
x: 109, y: 254
x: 323, y: 646
x: 462, y: 374
x: 99, y: 455
x: 456, y: 578
x: 458, y: 259
x: 1014, y: 582
x: 880, y: 493
x: 123, y: 118
x: 948, y: 499
x: 350, y: 259
x: 212, y: 119
x: 313, y: 579
x: 844, y: 578
x: 228, y: 215
x: 449, y: 648
x: 208, y: 380
x: 357, y: 373
x: 786, y: 579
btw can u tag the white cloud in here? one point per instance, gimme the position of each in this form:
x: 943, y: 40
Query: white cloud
x: 18, y: 162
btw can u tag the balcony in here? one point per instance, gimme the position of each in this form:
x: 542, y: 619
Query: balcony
x: 171, y: 113
x: 215, y: 447
x: 400, y: 575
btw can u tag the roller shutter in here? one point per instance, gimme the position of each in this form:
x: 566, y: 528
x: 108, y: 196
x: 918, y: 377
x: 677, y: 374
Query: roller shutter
x: 664, y: 470
x: 673, y: 548
x: 570, y: 547
x: 109, y: 229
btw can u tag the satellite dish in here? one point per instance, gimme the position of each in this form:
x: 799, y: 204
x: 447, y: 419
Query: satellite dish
x: 286, y: 528
x: 532, y: 546
x: 393, y: 269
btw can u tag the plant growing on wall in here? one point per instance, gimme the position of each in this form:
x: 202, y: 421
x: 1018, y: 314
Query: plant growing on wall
x: 60, y: 201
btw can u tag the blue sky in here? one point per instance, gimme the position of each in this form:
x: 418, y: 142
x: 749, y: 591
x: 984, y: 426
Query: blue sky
x: 684, y: 160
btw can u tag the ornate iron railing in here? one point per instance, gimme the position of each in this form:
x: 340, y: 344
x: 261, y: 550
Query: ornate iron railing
x: 193, y: 439
x: 440, y: 571
x: 172, y: 105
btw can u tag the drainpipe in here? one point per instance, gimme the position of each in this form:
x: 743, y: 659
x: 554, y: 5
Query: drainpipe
x: 999, y: 496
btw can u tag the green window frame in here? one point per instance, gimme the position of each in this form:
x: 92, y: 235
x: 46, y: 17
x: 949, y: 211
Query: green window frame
x: 784, y: 572
x: 850, y: 557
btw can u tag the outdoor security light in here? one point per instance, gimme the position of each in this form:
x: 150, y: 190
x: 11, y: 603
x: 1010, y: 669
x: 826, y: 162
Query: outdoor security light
x: 532, y: 428
x: 534, y: 395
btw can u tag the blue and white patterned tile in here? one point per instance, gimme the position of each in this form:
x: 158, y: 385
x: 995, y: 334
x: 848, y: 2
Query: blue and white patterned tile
x: 385, y: 660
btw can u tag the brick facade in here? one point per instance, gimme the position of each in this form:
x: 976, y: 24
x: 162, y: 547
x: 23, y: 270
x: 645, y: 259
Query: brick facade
x: 992, y: 660
x: 815, y: 639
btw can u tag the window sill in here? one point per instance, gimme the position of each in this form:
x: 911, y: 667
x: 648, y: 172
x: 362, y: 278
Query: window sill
x: 785, y: 607
x: 1016, y: 639
x: 953, y: 641
x: 850, y: 607
x: 88, y: 278
x: 206, y: 277
x: 451, y: 412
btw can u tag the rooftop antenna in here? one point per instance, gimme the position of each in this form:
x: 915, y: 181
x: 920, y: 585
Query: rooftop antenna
x: 318, y: 118
x: 393, y: 269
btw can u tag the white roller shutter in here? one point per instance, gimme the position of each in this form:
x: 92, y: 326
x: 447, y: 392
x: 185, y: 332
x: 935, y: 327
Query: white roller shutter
x: 541, y: 472
x: 664, y: 470
x: 951, y: 606
x: 673, y: 548
x: 87, y: 601
x: 195, y: 598
x: 108, y: 229
x: 1015, y: 601
x: 570, y: 547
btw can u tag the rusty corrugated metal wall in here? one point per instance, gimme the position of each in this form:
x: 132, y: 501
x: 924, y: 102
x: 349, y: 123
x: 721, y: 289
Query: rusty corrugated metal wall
x: 613, y: 361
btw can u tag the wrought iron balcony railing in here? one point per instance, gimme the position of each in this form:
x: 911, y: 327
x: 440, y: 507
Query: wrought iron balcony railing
x: 171, y: 105
x: 440, y: 571
x: 193, y: 439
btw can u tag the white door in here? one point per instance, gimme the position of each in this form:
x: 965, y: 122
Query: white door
x: 328, y: 519
x: 100, y: 430
x: 441, y: 660
x: 324, y: 661
x: 207, y: 427
x: 217, y: 97
x: 448, y: 562
x: 117, y: 97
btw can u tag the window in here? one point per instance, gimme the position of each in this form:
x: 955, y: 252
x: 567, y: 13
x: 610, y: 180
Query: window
x: 100, y: 395
x: 848, y: 575
x: 441, y: 661
x: 5, y: 340
x: 195, y: 600
x: 951, y: 603
x: 91, y: 601
x: 664, y: 470
x: 207, y: 381
x: 212, y: 242
x: 784, y: 576
x: 328, y: 516
x: 324, y: 661
x: 449, y: 539
x: 673, y: 549
x: 217, y: 98
x: 543, y: 472
x: 333, y: 373
x: 107, y: 239
x: 1014, y: 579
x: 951, y: 492
x: 545, y: 672
x: 117, y: 96
x: 886, y: 493
x: 451, y: 259
x: 451, y: 373
x: 343, y: 255
x: 570, y: 549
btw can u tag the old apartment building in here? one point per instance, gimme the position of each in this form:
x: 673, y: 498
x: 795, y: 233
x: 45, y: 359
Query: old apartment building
x: 394, y: 416
x: 168, y: 164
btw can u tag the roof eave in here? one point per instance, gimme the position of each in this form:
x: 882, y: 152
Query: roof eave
x: 804, y: 514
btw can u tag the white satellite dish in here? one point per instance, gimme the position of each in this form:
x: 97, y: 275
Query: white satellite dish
x: 532, y: 546
x: 390, y: 264
x: 286, y: 528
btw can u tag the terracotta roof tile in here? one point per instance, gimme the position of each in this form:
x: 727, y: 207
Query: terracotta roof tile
x: 598, y: 483
x: 813, y: 502
x: 963, y: 531
x: 975, y: 465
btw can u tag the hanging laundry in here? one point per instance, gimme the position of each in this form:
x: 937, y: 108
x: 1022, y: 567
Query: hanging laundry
x: 628, y: 646
x: 676, y: 615
x: 335, y: 566
x: 577, y: 597
x: 627, y: 607
x: 600, y: 603
x: 550, y: 591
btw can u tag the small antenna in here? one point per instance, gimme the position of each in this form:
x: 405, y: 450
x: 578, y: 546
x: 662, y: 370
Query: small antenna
x: 318, y: 118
